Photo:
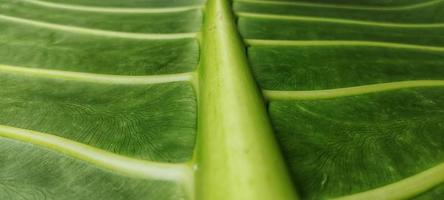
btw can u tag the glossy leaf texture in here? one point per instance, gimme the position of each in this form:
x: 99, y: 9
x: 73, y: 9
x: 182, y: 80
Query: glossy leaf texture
x: 221, y: 99
x: 355, y: 91
x: 95, y: 100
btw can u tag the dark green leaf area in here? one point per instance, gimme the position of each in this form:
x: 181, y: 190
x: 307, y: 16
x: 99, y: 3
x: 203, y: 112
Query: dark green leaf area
x: 131, y: 3
x: 28, y: 46
x: 33, y: 173
x: 153, y: 122
x: 433, y: 194
x: 328, y: 67
x: 346, y: 145
x: 429, y: 14
x: 282, y: 29
x: 176, y: 22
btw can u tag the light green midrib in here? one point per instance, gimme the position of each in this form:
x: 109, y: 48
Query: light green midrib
x: 273, y: 95
x: 180, y: 172
x: 112, y: 9
x: 405, y: 188
x: 260, y: 42
x: 98, y: 32
x: 351, y: 7
x: 232, y: 121
x: 99, y: 78
x: 338, y: 20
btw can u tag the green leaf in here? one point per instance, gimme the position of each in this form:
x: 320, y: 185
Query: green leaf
x: 238, y: 100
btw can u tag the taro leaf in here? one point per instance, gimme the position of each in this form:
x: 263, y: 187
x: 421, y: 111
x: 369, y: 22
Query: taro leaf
x: 215, y: 100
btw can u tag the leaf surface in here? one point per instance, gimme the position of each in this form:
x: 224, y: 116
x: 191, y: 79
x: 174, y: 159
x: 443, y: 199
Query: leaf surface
x: 239, y: 100
x: 354, y: 92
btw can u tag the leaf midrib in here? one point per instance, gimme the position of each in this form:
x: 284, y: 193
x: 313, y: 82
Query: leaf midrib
x: 231, y: 165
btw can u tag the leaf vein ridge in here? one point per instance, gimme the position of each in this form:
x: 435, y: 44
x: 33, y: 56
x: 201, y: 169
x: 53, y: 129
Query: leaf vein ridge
x: 97, y: 32
x: 403, y: 189
x: 351, y: 7
x: 272, y: 95
x: 99, y: 78
x: 259, y: 42
x: 112, y: 9
x: 338, y: 20
x: 103, y: 159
